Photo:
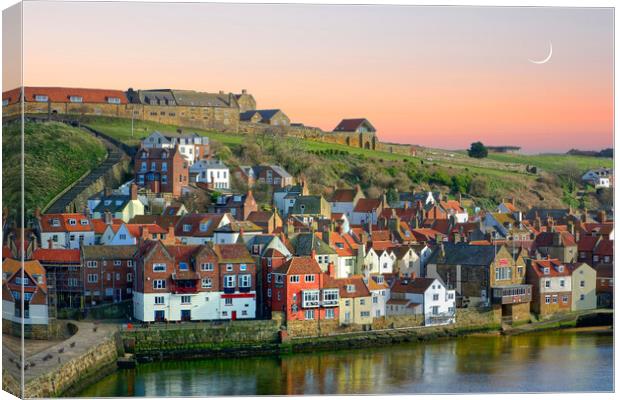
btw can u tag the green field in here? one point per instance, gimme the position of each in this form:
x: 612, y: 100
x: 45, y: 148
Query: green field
x: 56, y: 155
x: 553, y: 162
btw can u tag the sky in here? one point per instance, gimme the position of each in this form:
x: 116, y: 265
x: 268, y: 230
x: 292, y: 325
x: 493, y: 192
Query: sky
x: 434, y: 76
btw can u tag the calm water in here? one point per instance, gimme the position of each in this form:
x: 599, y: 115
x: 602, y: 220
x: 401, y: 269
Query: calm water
x: 541, y: 362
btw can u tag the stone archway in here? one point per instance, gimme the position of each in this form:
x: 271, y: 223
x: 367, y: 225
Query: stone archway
x: 348, y: 141
x: 367, y: 145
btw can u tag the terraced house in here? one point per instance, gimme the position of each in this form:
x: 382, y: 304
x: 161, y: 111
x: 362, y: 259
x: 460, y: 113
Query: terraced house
x: 161, y: 171
x: 551, y: 286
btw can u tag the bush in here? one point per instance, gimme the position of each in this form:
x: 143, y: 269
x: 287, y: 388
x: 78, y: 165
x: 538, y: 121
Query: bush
x: 478, y: 150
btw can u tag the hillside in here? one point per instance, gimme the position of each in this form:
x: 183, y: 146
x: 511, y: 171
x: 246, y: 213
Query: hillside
x: 325, y: 165
x: 56, y: 155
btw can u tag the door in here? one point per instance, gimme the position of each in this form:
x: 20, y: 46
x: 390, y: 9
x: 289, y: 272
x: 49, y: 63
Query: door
x: 159, y: 315
x: 234, y: 315
x: 186, y: 315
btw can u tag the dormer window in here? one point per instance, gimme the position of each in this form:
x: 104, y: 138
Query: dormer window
x: 5, y: 102
x: 546, y: 270
x: 119, y: 202
x: 144, y: 154
x: 72, y: 221
x: 107, y: 202
x: 204, y: 226
x: 350, y: 288
x: 379, y: 279
x: 75, y: 99
x: 560, y: 268
x: 114, y: 100
x: 164, y: 154
x: 187, y: 228
x: 41, y: 98
x: 55, y: 222
x: 340, y: 245
x: 183, y: 266
x: 84, y: 222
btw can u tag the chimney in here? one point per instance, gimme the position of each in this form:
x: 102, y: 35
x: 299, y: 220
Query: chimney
x: 37, y: 213
x: 170, y: 236
x: 145, y: 233
x: 413, y: 275
x: 133, y: 191
x: 602, y: 216
x: 584, y: 216
x: 241, y: 232
x: 107, y: 216
x: 107, y: 191
x: 325, y: 235
x: 557, y: 239
x: 313, y: 253
x: 243, y: 91
x: 331, y: 270
x: 370, y: 228
x: 50, y: 243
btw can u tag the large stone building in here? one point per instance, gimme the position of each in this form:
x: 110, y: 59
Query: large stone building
x: 357, y: 132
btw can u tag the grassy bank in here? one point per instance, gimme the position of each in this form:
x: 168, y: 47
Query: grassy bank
x: 56, y: 155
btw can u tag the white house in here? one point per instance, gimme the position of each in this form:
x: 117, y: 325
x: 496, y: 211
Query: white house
x: 192, y: 146
x: 229, y: 233
x: 600, y: 177
x: 284, y: 198
x: 65, y: 231
x: 200, y: 228
x: 437, y: 303
x: 128, y: 234
x: 407, y: 262
x: 380, y: 292
x: 35, y: 294
x: 212, y: 172
x: 343, y: 200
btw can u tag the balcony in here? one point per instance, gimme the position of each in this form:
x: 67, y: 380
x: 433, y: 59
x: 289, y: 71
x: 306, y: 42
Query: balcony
x: 330, y: 298
x: 184, y: 286
x: 512, y: 294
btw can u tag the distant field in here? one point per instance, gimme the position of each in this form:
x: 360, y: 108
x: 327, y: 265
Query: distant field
x: 55, y: 156
x: 552, y: 162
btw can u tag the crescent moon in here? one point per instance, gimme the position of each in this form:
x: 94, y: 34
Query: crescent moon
x: 546, y: 59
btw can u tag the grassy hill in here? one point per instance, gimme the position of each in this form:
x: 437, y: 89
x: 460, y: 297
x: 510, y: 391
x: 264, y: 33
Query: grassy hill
x: 326, y: 164
x: 56, y: 155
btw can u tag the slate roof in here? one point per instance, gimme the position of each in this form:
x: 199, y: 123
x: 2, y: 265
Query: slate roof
x: 304, y: 243
x: 194, y: 220
x: 99, y: 252
x: 544, y: 213
x: 417, y: 285
x: 117, y: 203
x: 464, y: 254
x: 545, y: 239
x: 203, y: 99
x: 312, y: 205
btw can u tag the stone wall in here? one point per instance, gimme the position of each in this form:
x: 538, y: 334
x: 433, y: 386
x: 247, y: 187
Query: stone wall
x: 199, y: 337
x: 58, y: 381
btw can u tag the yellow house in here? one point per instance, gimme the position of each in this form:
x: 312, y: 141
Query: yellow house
x: 583, y: 280
x: 355, y: 301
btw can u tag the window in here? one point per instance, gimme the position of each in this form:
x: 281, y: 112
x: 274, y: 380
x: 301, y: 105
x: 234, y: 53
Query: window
x: 269, y: 292
x: 92, y: 278
x: 347, y: 303
x: 159, y: 267
x: 310, y: 298
x: 245, y: 281
x: 114, y: 100
x: 565, y: 299
x: 129, y: 277
x: 186, y: 299
x: 72, y: 221
x: 117, y: 276
x: 230, y: 281
x: 229, y: 267
x: 159, y: 300
x: 351, y: 288
x: 503, y: 273
x: 309, y: 278
x: 362, y: 302
x: 84, y: 222
x: 228, y: 302
x: 309, y: 314
x: 582, y: 297
x: 555, y: 299
x: 159, y: 284
x: 91, y: 264
x: 206, y: 266
x: 435, y: 310
x: 207, y: 283
x: 5, y: 102
x: 294, y: 279
x: 547, y: 299
x: 117, y: 263
x: 546, y: 270
x: 40, y: 98
x: 330, y: 313
x: 365, y: 314
x: 75, y: 99
x: 375, y: 299
x: 269, y: 277
x: 435, y: 297
x: 183, y: 266
x: 582, y: 283
x: 72, y: 282
x: 547, y: 283
x: 243, y: 267
x: 187, y: 228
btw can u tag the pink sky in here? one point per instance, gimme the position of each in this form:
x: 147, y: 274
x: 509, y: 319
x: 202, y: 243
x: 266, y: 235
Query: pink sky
x: 434, y: 76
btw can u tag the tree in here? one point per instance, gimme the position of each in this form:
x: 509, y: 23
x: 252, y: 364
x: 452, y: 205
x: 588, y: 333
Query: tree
x: 478, y: 150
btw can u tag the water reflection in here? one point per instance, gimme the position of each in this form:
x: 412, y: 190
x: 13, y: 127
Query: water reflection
x: 552, y: 361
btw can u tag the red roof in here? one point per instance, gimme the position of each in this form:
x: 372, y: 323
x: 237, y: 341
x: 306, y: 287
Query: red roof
x: 587, y: 243
x: 343, y: 195
x: 99, y: 225
x: 417, y: 285
x: 57, y: 255
x: 545, y: 239
x: 367, y: 205
x: 553, y: 265
x: 299, y: 266
x: 605, y: 248
x: 356, y: 282
x: 60, y: 223
x: 351, y: 125
x: 61, y: 95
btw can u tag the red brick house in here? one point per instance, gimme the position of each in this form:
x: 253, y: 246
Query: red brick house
x: 108, y: 273
x: 551, y: 286
x: 298, y: 288
x: 161, y: 170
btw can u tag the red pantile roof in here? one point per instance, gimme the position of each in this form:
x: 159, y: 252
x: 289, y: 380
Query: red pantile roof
x: 587, y: 243
x: 299, y: 266
x: 553, y: 265
x: 417, y: 285
x: 604, y: 248
x: 61, y: 95
x: 367, y: 205
x: 57, y: 255
x: 60, y: 223
x: 343, y: 195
